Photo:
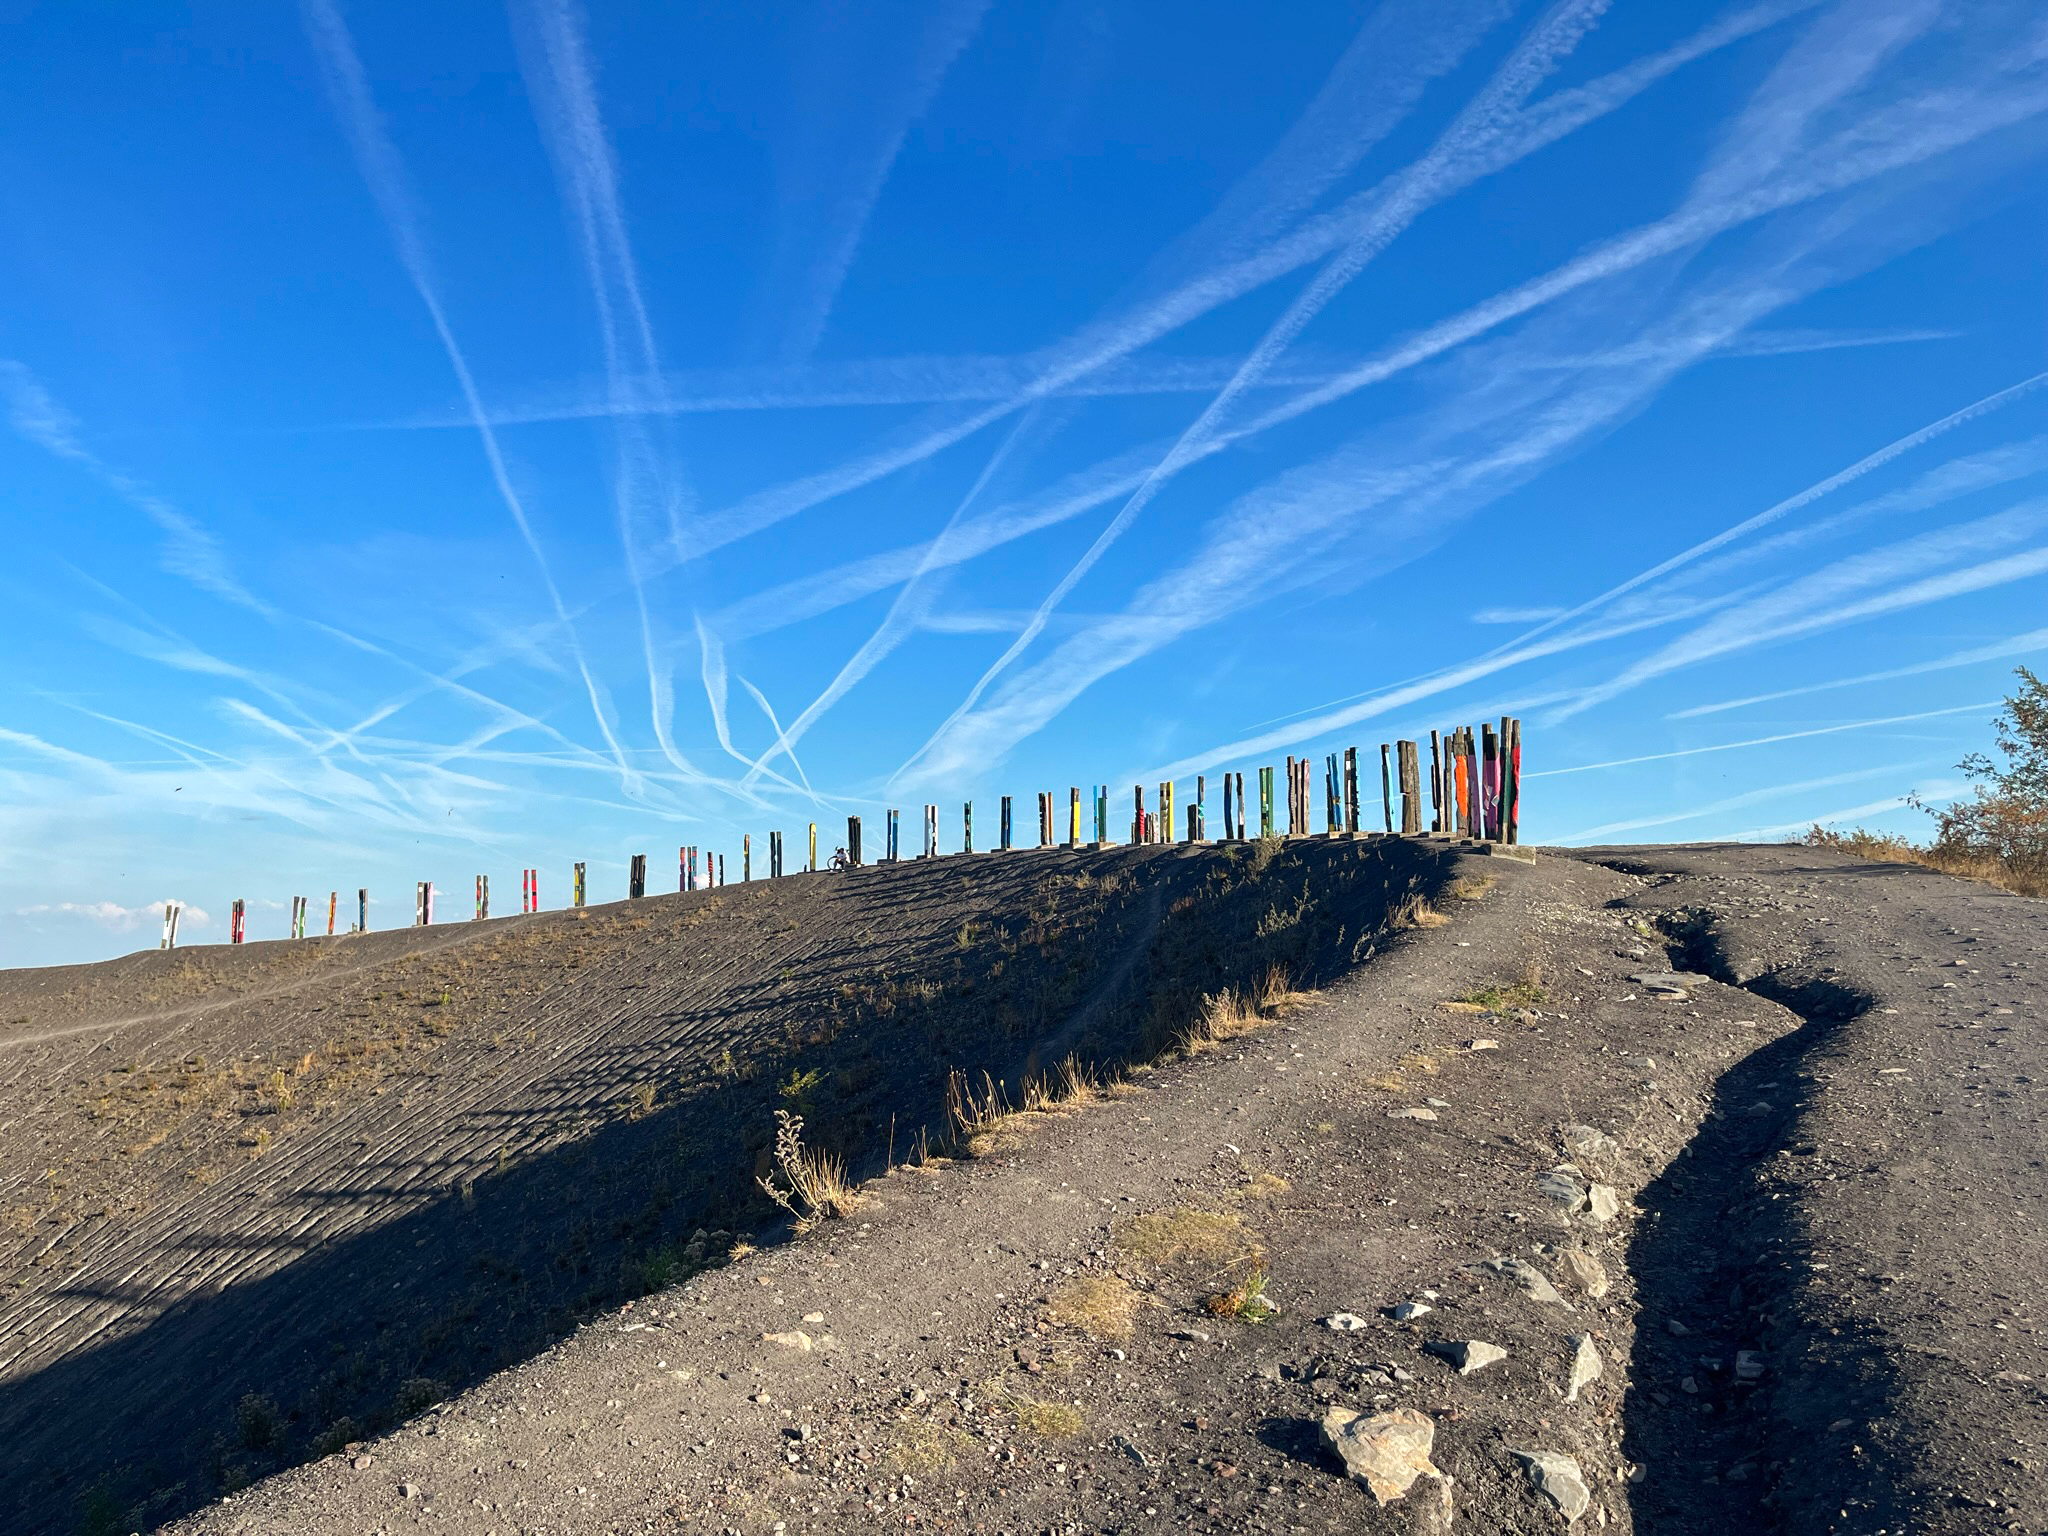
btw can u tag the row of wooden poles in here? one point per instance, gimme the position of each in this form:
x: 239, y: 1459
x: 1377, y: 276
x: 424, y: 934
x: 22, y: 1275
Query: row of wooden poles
x: 1474, y: 791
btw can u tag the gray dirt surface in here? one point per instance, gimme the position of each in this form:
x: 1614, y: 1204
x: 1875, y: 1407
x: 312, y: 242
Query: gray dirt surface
x: 1807, y: 1258
x: 964, y: 1375
x: 1883, y: 1238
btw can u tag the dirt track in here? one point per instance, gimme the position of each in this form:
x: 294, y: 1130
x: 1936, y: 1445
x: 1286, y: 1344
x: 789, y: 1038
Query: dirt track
x: 1838, y: 1205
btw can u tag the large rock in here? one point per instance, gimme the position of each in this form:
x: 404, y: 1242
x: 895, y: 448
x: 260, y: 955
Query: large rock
x: 1468, y: 1355
x: 1588, y: 1271
x: 1602, y: 1204
x: 1528, y: 1277
x: 1563, y: 1184
x: 1558, y: 1478
x: 1387, y: 1452
x: 1585, y: 1365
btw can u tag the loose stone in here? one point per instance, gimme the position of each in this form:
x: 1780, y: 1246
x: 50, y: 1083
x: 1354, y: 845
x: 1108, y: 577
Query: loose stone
x: 1468, y: 1355
x: 1585, y: 1365
x: 1558, y: 1478
x: 1386, y: 1452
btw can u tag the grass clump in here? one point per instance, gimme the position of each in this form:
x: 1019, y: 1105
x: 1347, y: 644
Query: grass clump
x: 1101, y: 1306
x: 813, y: 1185
x: 1047, y: 1420
x: 1160, y: 1237
x: 1246, y: 1301
x: 1526, y: 991
x: 1416, y: 912
x: 918, y: 1445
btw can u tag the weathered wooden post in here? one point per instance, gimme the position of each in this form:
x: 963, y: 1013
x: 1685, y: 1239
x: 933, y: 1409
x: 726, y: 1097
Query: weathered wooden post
x: 1474, y: 788
x: 576, y: 890
x: 1166, y: 811
x: 967, y: 826
x: 170, y: 937
x: 237, y: 920
x: 1411, y: 789
x: 1489, y: 781
x: 931, y: 832
x: 853, y: 841
x: 1198, y: 826
x: 333, y: 906
x: 774, y: 855
x: 1003, y: 833
x: 1387, y: 785
x: 813, y: 865
x: 636, y: 877
x: 362, y: 909
x: 1514, y: 816
x: 423, y: 903
x: 890, y: 837
x: 1351, y: 821
x: 1045, y: 818
x: 1265, y: 802
x: 1229, y: 812
x: 1436, y: 783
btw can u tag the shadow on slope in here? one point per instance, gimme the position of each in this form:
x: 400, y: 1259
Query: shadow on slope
x: 1106, y: 955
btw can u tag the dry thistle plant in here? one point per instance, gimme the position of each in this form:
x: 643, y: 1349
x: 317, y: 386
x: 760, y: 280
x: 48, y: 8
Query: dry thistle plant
x: 817, y: 1187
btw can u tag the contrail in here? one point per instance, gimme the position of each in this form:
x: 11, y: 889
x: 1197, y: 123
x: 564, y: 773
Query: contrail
x: 951, y: 28
x: 2017, y: 645
x: 349, y: 89
x: 1426, y: 182
x: 1763, y: 741
x: 903, y: 612
x: 1807, y: 497
x: 1314, y: 239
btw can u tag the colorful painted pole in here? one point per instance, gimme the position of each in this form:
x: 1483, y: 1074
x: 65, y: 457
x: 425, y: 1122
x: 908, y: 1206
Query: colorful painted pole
x: 170, y: 938
x: 362, y: 909
x: 774, y: 855
x: 636, y: 877
x: 892, y: 837
x: 1515, y: 782
x: 1101, y: 792
x: 1351, y: 789
x: 1137, y: 814
x: 1005, y: 831
x: 967, y: 826
x: 853, y: 841
x: 1387, y: 784
x: 577, y: 894
x: 423, y: 903
x: 237, y: 922
x: 813, y: 865
x: 1266, y: 802
x: 931, y: 832
x: 483, y: 897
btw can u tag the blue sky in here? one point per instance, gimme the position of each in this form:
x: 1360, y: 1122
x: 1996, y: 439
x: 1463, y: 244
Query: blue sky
x: 445, y: 441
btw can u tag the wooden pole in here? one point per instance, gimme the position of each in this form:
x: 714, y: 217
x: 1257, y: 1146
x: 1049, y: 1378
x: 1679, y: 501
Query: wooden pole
x: 853, y: 841
x: 636, y: 877
x: 813, y: 865
x: 1005, y: 831
x: 362, y: 909
x: 1387, y: 784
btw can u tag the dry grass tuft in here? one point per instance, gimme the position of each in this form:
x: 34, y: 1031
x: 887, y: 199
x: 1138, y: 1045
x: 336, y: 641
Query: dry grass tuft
x: 1260, y: 1184
x: 817, y: 1187
x: 1472, y: 887
x: 1048, y: 1421
x: 918, y: 1445
x: 1416, y: 912
x: 2019, y: 877
x: 1184, y: 1233
x: 1101, y: 1306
